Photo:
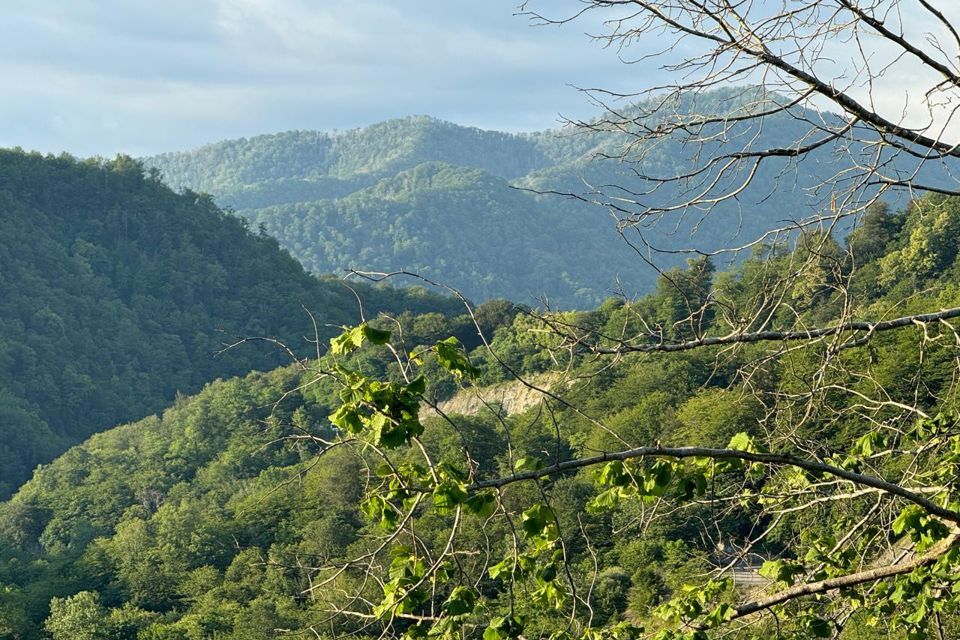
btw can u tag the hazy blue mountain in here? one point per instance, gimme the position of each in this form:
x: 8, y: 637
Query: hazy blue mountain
x: 461, y: 205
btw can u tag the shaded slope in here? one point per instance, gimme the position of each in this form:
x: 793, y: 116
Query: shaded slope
x: 497, y: 241
x: 115, y: 293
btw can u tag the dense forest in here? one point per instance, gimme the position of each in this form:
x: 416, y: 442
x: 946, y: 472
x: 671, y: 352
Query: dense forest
x: 450, y: 202
x: 685, y: 366
x: 218, y: 517
x: 117, y: 293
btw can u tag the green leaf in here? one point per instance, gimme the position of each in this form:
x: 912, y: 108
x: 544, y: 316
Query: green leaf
x: 820, y: 628
x: 348, y: 341
x: 908, y: 520
x: 604, y: 500
x: 689, y: 486
x: 503, y: 627
x: 375, y: 336
x: 451, y: 357
x: 721, y: 614
x: 348, y: 419
x: 662, y: 474
x: 614, y: 473
x: 548, y: 573
x: 462, y: 601
x: 379, y: 424
x: 378, y: 508
x: 527, y: 463
x: 502, y: 568
x: 781, y: 570
x: 536, y: 519
x: 923, y: 529
x: 448, y: 496
x: 866, y: 444
x: 742, y: 442
x: 492, y: 633
x: 352, y: 339
x: 657, y: 479
x: 417, y: 386
x: 482, y: 504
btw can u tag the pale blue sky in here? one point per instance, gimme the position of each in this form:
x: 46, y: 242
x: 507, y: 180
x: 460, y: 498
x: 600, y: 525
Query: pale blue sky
x: 141, y: 77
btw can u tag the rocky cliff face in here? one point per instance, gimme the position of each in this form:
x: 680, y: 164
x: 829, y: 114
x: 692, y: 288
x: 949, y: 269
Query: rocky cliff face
x: 513, y: 397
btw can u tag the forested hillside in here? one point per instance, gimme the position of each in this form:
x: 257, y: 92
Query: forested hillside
x: 496, y: 241
x: 116, y: 293
x: 220, y: 519
x: 377, y: 199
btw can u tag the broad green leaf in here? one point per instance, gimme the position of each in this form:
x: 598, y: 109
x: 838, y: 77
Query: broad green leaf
x: 348, y: 419
x: 820, y: 628
x: 781, y: 570
x: 461, y: 601
x: 451, y: 357
x: 375, y: 336
x: 352, y: 339
x: 742, y: 442
x: 448, y: 496
x: 537, y: 519
x: 527, y: 463
x: 482, y: 504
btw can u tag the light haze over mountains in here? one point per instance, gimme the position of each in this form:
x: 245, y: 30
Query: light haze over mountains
x: 472, y: 208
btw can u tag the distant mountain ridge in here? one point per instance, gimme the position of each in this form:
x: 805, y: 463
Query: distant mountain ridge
x: 362, y: 199
x: 354, y: 157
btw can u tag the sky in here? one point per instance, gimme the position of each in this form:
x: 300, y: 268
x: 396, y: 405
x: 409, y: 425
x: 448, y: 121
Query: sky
x: 99, y: 77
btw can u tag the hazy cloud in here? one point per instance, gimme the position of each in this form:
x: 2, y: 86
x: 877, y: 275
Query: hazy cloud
x: 103, y: 76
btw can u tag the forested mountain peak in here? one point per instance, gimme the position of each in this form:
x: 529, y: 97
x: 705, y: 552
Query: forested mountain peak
x: 434, y: 176
x: 116, y: 293
x: 379, y: 149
